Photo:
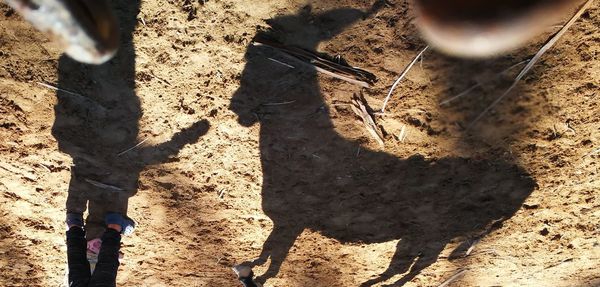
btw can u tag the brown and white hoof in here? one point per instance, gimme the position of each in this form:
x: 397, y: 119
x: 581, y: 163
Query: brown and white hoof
x: 87, y: 29
x: 476, y: 28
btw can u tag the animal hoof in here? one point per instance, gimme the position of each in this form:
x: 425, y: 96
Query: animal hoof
x: 87, y: 29
x: 242, y: 271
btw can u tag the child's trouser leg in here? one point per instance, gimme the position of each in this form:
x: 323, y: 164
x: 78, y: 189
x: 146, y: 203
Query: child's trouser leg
x: 79, y: 267
x: 105, y: 273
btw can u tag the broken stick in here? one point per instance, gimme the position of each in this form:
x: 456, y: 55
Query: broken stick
x: 359, y: 108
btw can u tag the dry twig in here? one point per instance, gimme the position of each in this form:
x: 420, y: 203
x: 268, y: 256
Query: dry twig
x: 472, y: 247
x: 282, y: 63
x: 336, y: 69
x: 535, y: 59
x: 360, y: 109
x: 222, y: 193
x: 278, y: 104
x: 131, y: 148
x: 402, y: 75
x: 58, y: 89
x: 75, y: 95
x: 454, y: 277
x: 159, y: 78
x: 403, y: 134
x: 477, y: 85
x: 103, y: 185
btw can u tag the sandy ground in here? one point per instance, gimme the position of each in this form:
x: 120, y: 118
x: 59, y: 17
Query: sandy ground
x: 245, y: 158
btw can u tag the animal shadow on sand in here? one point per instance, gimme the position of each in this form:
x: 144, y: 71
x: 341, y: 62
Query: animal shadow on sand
x: 313, y: 179
x: 100, y: 121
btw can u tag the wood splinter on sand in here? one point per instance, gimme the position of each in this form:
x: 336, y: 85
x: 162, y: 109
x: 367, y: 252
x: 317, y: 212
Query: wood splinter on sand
x: 403, y: 134
x: 534, y: 60
x: 472, y: 247
x: 453, y: 278
x: 479, y: 84
x: 402, y: 75
x: 103, y: 185
x: 222, y: 193
x: 278, y: 104
x: 282, y: 63
x: 76, y: 95
x: 360, y: 109
x: 132, y: 148
x: 339, y: 70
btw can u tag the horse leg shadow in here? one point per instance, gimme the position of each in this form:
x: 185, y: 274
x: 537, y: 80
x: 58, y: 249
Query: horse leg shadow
x: 276, y: 247
x: 411, y: 257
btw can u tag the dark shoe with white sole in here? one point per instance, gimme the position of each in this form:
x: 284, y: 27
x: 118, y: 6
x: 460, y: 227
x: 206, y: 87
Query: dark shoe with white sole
x: 127, y: 224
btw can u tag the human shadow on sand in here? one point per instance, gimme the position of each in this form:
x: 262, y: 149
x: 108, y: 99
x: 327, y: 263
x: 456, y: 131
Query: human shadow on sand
x: 98, y: 119
x: 313, y: 178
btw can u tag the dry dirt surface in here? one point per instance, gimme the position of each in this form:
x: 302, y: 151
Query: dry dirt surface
x: 243, y: 158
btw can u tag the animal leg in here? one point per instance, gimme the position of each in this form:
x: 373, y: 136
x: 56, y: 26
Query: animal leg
x: 403, y: 258
x: 428, y: 256
x: 277, y: 247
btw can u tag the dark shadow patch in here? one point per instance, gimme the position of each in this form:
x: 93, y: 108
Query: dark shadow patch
x: 96, y: 124
x: 313, y: 179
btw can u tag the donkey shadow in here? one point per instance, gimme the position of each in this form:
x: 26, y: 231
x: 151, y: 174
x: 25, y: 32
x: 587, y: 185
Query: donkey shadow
x: 313, y: 179
x: 96, y: 124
